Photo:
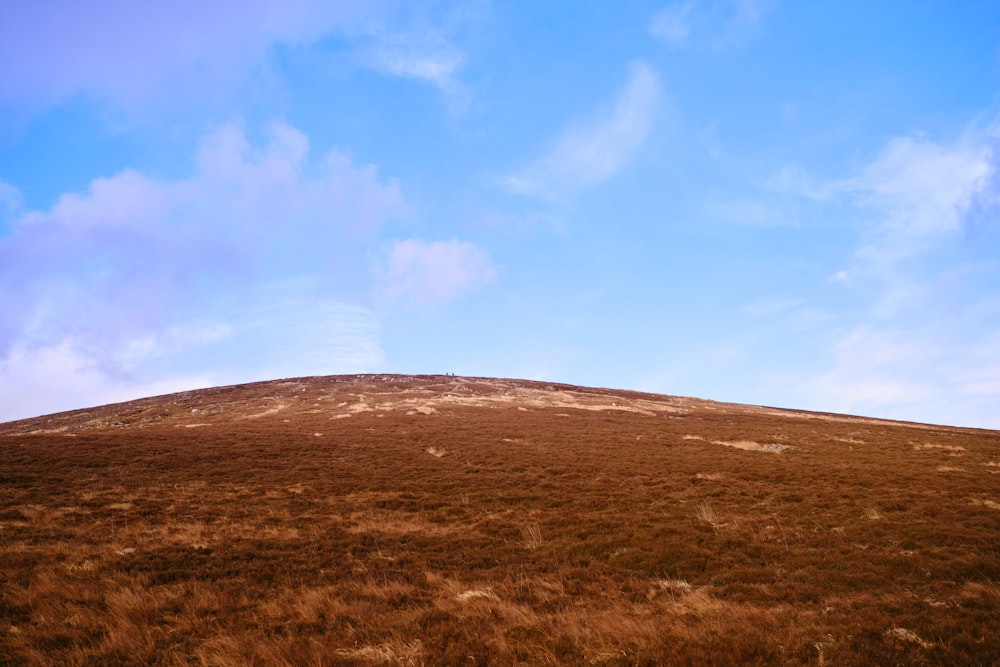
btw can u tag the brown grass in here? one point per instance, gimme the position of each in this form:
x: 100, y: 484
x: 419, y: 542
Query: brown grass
x: 619, y: 535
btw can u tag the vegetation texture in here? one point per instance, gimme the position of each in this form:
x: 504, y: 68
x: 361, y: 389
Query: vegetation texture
x: 450, y: 520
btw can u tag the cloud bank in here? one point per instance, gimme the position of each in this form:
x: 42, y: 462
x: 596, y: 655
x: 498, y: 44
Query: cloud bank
x: 140, y: 274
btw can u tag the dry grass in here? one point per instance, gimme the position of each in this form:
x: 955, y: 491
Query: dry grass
x: 531, y: 536
x: 952, y: 450
x: 707, y: 515
x: 873, y: 513
x: 485, y: 594
x: 908, y: 636
x: 751, y: 446
x: 409, y: 654
x: 594, y: 527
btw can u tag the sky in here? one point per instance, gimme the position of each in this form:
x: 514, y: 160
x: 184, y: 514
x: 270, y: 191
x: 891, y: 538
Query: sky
x: 764, y: 202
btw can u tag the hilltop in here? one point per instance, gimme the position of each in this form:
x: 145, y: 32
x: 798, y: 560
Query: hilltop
x: 385, y: 519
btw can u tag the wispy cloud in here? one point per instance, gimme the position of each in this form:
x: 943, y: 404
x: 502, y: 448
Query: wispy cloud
x: 293, y: 327
x: 423, y: 55
x: 874, y: 370
x: 592, y: 151
x: 715, y: 24
x: 914, y: 192
x: 912, y: 374
x: 421, y: 273
x: 672, y: 24
x: 920, y: 190
x: 136, y: 269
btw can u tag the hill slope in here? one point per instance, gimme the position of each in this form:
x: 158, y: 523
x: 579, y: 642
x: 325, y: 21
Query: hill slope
x: 434, y: 519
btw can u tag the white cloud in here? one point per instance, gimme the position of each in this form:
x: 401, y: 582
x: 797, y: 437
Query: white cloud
x: 590, y: 152
x: 913, y: 197
x: 716, y: 24
x: 925, y: 340
x: 793, y: 180
x: 436, y: 68
x: 57, y: 377
x: 926, y: 347
x: 130, y: 278
x: 915, y: 375
x: 868, y: 369
x: 841, y: 276
x: 672, y: 24
x: 282, y: 332
x: 921, y: 190
x: 915, y: 193
x: 422, y: 273
x: 423, y: 55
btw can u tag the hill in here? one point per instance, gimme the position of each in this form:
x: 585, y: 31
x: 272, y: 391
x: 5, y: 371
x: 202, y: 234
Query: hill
x: 452, y: 520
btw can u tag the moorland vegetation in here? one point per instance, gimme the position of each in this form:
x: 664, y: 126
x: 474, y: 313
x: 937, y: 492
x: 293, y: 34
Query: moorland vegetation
x: 448, y: 520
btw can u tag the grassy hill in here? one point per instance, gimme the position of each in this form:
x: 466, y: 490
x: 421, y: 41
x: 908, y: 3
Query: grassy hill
x: 451, y: 520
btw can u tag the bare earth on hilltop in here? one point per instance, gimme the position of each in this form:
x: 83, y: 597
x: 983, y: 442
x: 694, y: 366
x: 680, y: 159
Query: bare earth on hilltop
x: 446, y: 520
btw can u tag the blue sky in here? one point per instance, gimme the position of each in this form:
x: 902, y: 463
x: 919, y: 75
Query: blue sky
x: 791, y: 204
